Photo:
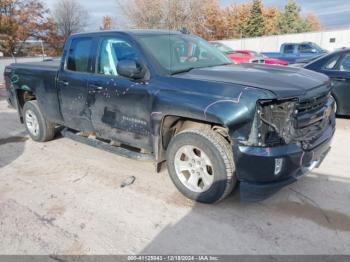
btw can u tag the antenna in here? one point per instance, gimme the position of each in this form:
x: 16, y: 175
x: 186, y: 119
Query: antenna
x: 170, y: 51
x: 14, y: 56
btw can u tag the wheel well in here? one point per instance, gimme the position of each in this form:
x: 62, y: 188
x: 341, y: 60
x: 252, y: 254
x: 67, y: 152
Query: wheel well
x: 24, y: 96
x: 172, y: 125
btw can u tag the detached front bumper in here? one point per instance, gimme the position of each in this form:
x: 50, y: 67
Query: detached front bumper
x: 256, y: 166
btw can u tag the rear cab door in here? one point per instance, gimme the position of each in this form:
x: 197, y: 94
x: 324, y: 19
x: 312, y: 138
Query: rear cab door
x: 289, y: 52
x: 306, y: 51
x: 72, y: 82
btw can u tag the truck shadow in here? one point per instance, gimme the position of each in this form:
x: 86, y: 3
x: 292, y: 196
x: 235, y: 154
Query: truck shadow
x: 12, y: 139
x: 11, y: 146
x: 3, y: 94
x: 296, y: 214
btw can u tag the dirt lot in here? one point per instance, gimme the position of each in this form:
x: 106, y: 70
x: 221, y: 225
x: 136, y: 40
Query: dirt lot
x: 64, y: 197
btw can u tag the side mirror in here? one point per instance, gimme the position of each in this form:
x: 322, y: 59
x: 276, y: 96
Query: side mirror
x: 131, y: 69
x: 313, y: 50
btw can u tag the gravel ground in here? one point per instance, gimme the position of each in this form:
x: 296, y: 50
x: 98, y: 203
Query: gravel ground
x: 65, y: 198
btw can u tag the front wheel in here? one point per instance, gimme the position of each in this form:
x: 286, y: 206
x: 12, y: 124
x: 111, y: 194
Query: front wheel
x: 39, y: 129
x: 200, y: 163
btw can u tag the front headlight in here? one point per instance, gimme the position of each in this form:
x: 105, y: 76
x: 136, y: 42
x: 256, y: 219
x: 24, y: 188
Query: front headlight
x: 273, y: 123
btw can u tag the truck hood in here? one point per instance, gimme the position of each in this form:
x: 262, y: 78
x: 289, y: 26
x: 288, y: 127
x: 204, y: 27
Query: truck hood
x: 281, y: 80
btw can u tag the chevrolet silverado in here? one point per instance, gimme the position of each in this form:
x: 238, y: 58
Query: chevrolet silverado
x: 174, y: 98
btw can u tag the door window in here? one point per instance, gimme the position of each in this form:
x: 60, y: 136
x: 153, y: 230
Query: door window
x: 288, y: 49
x: 113, y: 50
x: 305, y: 48
x: 345, y: 64
x: 331, y: 63
x: 79, y: 55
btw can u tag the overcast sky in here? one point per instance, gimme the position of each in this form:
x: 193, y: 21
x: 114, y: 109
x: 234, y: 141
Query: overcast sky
x: 332, y: 13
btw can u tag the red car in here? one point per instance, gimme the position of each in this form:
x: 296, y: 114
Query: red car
x: 251, y: 56
x: 247, y: 56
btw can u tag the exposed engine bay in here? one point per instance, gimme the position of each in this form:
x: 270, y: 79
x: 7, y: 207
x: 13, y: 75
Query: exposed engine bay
x: 280, y: 122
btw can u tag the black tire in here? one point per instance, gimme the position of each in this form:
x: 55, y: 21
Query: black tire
x: 219, y: 152
x: 46, y: 129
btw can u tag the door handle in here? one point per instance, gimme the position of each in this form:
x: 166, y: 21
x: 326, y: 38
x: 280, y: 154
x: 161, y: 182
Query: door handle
x: 96, y: 87
x: 63, y: 82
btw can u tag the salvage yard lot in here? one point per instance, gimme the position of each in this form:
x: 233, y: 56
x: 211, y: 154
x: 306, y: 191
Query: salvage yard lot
x: 64, y: 197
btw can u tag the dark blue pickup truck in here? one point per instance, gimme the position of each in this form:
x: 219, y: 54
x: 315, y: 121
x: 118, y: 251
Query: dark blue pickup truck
x: 298, y: 52
x: 173, y: 97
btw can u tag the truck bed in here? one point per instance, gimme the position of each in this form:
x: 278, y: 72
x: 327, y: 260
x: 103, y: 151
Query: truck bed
x: 272, y: 54
x: 40, y: 79
x: 46, y: 65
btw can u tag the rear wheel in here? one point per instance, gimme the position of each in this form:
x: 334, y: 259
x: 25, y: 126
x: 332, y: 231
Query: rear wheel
x: 38, y: 127
x: 200, y: 163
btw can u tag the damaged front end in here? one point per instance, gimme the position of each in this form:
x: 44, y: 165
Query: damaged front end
x: 288, y: 121
x: 288, y: 139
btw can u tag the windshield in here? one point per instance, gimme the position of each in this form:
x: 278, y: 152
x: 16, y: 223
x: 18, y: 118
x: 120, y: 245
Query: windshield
x: 223, y: 48
x: 316, y: 58
x: 253, y: 53
x: 178, y: 53
x: 318, y: 48
x: 256, y: 54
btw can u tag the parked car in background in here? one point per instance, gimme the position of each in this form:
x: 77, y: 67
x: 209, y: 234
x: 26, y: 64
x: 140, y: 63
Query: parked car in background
x: 297, y: 52
x: 336, y: 66
x: 228, y: 51
x: 247, y: 56
x: 256, y: 57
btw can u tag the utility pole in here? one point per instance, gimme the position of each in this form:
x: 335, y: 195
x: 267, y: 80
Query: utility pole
x: 42, y: 49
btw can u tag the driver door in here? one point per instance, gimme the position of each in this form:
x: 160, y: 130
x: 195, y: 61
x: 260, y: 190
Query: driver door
x: 72, y: 83
x: 122, y: 107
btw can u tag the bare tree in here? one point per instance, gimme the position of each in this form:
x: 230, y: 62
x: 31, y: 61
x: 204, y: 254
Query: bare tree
x: 107, y: 23
x: 143, y: 13
x: 19, y: 21
x: 202, y: 17
x: 208, y: 19
x: 71, y: 17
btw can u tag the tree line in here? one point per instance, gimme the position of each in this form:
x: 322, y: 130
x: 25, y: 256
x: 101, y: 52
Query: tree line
x: 21, y: 20
x: 211, y: 21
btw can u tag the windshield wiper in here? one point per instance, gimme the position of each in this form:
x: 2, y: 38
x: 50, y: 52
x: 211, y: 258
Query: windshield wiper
x: 182, y: 70
x: 191, y: 68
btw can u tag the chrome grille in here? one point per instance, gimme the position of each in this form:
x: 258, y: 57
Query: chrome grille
x: 311, y: 117
x: 313, y: 104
